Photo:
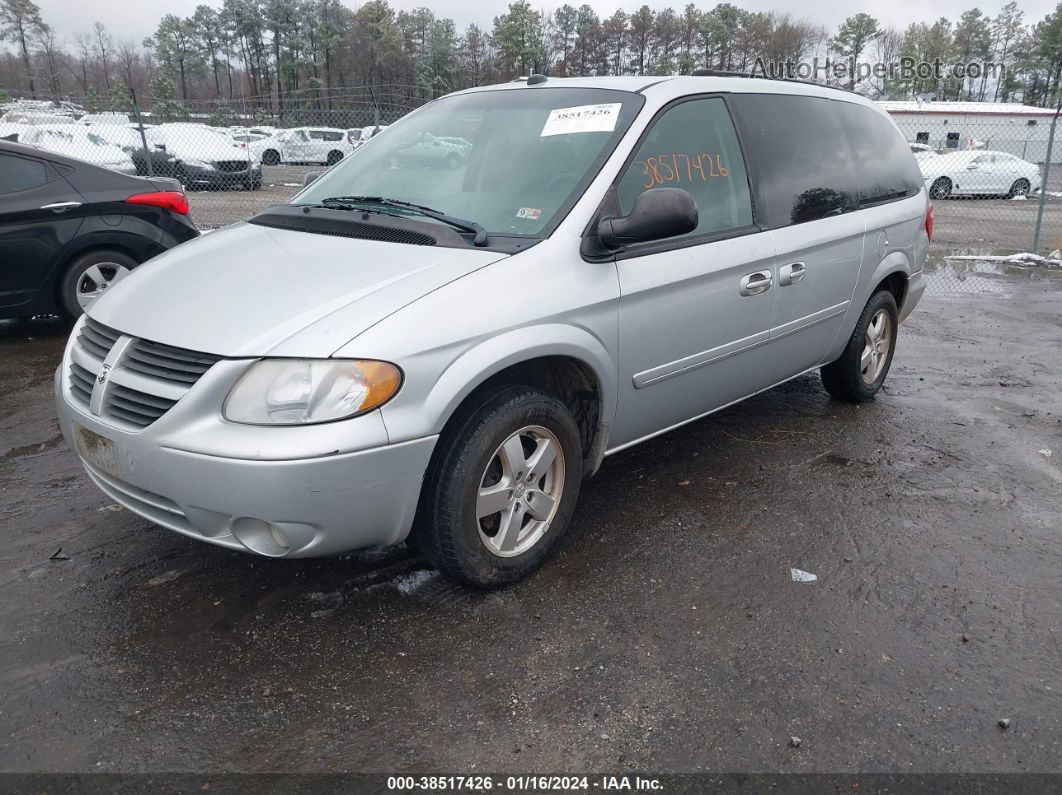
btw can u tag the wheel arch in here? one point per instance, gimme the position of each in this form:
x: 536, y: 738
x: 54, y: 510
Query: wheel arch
x: 565, y: 361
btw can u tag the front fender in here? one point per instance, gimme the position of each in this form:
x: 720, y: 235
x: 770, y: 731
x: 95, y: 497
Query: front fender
x: 416, y: 415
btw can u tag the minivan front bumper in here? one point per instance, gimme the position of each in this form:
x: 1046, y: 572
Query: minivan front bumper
x: 322, y: 503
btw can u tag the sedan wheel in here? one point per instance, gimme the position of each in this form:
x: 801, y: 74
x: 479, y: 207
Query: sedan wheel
x: 520, y: 491
x: 90, y: 276
x: 1021, y: 187
x: 95, y: 281
x: 941, y: 189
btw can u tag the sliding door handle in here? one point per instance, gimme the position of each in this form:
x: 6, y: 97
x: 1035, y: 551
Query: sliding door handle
x: 791, y: 274
x: 755, y: 283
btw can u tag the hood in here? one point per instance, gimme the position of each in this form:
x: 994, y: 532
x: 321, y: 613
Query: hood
x: 251, y: 290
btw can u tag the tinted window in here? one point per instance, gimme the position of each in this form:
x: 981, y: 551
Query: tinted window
x: 884, y: 168
x: 693, y: 146
x: 20, y: 173
x: 803, y: 162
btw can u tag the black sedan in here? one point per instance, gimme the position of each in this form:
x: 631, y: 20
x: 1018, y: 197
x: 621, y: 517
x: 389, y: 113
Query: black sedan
x: 69, y: 229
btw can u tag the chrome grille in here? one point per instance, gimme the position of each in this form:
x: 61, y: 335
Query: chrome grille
x: 135, y: 407
x: 81, y: 381
x: 168, y: 363
x: 97, y: 339
x: 144, y: 379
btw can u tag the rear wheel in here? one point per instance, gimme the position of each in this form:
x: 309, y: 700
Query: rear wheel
x: 941, y: 189
x: 90, y: 276
x: 501, y: 490
x: 1021, y: 187
x: 334, y: 157
x: 270, y: 157
x: 861, y: 369
x: 453, y: 160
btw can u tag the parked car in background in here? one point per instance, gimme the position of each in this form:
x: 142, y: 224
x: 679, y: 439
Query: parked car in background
x: 434, y: 151
x: 447, y: 358
x: 324, y: 145
x: 104, y: 118
x: 204, y: 158
x: 80, y: 142
x: 70, y: 230
x: 979, y: 173
x: 36, y: 118
x: 149, y: 162
x: 356, y: 136
x: 922, y: 150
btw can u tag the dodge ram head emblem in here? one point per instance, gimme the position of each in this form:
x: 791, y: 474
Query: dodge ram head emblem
x: 103, y: 374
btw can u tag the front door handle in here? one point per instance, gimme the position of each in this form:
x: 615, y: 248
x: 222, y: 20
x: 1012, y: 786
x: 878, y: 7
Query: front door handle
x: 791, y: 274
x: 756, y: 283
x: 59, y: 207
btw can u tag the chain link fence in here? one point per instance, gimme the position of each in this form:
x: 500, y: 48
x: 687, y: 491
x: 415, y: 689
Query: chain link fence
x: 997, y: 194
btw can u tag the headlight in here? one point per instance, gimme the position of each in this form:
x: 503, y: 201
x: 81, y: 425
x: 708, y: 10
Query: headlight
x: 200, y: 164
x: 305, y: 391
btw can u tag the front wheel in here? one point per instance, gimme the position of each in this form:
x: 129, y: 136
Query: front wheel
x: 502, y: 487
x: 333, y: 157
x: 270, y: 157
x: 861, y: 369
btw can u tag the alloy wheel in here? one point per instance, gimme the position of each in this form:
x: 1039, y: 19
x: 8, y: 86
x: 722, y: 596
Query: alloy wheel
x: 520, y: 491
x: 96, y: 279
x: 878, y: 341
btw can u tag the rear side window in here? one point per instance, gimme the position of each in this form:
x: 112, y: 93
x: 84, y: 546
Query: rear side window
x: 884, y: 167
x: 693, y: 146
x: 803, y: 161
x: 21, y: 173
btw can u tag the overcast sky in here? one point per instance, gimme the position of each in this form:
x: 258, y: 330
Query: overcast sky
x: 135, y: 20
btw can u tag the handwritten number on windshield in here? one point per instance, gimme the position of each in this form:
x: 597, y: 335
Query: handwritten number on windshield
x: 665, y: 169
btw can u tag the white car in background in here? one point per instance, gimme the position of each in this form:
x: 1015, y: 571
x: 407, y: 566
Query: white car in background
x: 921, y: 151
x: 356, y: 136
x: 979, y: 173
x: 325, y: 145
x: 80, y: 142
x: 36, y: 118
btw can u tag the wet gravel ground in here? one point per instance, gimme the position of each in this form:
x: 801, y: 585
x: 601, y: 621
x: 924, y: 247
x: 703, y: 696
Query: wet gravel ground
x: 667, y: 635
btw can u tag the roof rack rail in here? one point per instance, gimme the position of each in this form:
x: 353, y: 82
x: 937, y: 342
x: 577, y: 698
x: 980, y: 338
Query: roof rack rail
x: 755, y: 76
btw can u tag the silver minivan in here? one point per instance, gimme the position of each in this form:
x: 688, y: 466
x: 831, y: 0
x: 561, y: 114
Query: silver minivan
x: 420, y: 349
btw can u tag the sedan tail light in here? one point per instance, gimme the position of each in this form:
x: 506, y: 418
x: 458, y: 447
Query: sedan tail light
x: 172, y: 200
x: 929, y: 219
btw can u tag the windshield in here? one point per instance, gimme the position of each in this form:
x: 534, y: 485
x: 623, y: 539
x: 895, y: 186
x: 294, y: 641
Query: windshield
x: 512, y: 161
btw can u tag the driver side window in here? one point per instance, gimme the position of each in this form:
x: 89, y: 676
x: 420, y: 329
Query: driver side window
x: 693, y: 146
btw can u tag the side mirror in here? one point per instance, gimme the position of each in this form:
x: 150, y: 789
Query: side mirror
x: 310, y: 177
x: 658, y: 213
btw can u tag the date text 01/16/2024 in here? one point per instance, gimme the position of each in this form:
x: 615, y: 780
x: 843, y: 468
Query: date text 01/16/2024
x: 524, y: 783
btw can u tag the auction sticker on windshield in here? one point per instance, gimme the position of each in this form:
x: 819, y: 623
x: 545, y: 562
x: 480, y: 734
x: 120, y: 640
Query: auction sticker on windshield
x: 582, y: 119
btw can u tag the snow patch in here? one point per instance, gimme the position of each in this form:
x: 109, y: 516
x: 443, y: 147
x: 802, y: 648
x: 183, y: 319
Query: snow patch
x: 1053, y: 260
x: 408, y: 583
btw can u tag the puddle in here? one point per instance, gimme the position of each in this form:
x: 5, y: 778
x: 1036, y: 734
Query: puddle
x: 948, y: 277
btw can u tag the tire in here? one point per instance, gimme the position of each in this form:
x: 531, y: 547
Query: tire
x: 453, y: 161
x: 853, y: 378
x: 1021, y: 187
x: 448, y: 529
x: 101, y: 267
x: 940, y: 189
x: 333, y: 157
x: 270, y: 157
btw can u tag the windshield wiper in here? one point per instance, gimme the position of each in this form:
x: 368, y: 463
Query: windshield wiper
x: 355, y: 202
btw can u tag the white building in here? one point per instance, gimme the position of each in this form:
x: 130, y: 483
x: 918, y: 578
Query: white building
x: 1003, y: 126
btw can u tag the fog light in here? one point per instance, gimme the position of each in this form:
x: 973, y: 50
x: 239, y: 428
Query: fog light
x: 271, y: 540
